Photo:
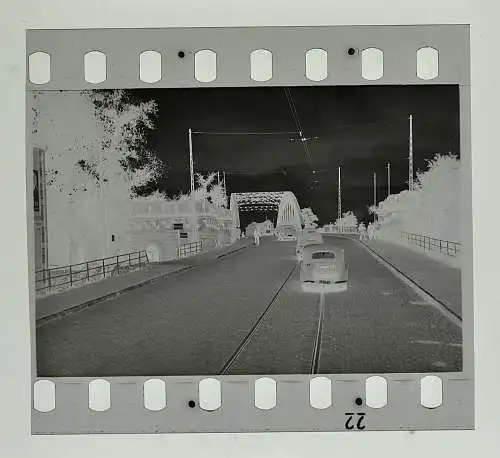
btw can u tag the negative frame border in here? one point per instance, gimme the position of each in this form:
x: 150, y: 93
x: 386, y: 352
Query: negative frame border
x: 233, y: 47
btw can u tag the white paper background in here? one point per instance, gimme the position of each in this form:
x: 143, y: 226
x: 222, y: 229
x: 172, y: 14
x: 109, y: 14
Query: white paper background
x: 14, y: 338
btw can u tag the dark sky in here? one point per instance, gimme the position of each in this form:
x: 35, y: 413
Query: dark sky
x: 360, y: 128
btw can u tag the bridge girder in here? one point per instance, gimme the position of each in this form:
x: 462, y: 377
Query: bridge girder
x: 284, y: 202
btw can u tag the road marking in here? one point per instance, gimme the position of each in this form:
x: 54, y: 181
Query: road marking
x: 248, y: 337
x: 319, y: 333
x: 427, y: 297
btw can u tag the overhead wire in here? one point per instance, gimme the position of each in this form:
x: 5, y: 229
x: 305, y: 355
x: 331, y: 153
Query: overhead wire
x: 298, y: 125
x: 241, y: 133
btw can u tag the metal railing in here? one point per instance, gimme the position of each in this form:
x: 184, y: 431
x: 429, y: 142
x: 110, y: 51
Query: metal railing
x: 340, y: 229
x: 59, y: 278
x: 189, y: 249
x: 346, y: 229
x: 431, y: 243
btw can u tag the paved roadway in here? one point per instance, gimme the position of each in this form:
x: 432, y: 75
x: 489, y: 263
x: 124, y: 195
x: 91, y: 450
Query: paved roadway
x: 246, y: 314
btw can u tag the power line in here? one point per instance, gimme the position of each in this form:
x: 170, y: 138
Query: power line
x: 298, y: 125
x: 200, y: 132
x: 294, y: 111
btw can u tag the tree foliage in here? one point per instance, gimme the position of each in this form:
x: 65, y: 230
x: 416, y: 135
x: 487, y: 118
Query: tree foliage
x: 96, y: 160
x: 432, y: 208
x: 309, y: 218
x: 348, y: 219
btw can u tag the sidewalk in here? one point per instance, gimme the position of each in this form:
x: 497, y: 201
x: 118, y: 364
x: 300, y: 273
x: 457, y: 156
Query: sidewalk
x: 440, y: 280
x: 87, y: 295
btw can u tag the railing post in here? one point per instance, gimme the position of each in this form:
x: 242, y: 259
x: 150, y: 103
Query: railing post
x: 129, y: 260
x: 103, y: 269
x: 70, y: 276
x: 117, y: 266
x: 49, y: 279
x: 88, y: 272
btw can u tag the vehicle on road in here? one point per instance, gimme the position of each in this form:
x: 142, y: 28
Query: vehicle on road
x: 266, y: 228
x: 323, y: 266
x: 308, y: 237
x: 286, y: 233
x: 267, y: 232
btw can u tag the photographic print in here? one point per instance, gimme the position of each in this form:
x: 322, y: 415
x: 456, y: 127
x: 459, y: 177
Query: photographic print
x: 248, y: 230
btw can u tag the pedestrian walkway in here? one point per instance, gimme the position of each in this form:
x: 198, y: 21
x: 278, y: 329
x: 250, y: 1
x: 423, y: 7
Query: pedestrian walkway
x: 440, y: 280
x: 89, y: 294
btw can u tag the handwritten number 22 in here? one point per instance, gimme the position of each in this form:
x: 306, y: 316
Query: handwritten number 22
x: 351, y: 422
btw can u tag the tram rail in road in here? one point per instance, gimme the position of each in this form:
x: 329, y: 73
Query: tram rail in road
x: 255, y: 327
x: 319, y: 332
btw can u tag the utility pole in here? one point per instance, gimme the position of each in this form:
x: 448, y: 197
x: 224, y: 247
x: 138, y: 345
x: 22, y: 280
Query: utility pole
x: 191, y: 164
x: 410, y: 157
x: 224, y: 185
x: 388, y: 179
x: 374, y: 194
x: 339, y: 199
x: 191, y: 174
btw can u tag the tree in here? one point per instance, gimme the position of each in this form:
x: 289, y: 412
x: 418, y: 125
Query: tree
x: 308, y: 217
x: 348, y: 219
x: 432, y: 208
x: 217, y: 196
x: 208, y: 191
x: 97, y: 159
x: 202, y: 193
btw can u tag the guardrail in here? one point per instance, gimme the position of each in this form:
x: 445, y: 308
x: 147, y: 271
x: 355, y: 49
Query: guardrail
x: 189, y: 249
x: 340, y: 230
x: 431, y: 243
x: 59, y: 278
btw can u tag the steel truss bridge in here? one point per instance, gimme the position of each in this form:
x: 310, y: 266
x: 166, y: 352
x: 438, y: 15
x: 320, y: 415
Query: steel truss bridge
x: 284, y: 202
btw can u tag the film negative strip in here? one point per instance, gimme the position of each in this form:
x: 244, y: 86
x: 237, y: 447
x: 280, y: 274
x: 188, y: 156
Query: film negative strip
x: 250, y: 229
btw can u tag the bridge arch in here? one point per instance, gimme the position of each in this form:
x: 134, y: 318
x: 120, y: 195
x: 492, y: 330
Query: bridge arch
x: 284, y: 202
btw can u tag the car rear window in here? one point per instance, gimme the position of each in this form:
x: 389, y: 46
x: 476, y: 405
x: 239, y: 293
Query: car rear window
x: 323, y: 255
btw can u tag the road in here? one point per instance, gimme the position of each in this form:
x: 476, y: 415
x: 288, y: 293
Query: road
x: 246, y: 314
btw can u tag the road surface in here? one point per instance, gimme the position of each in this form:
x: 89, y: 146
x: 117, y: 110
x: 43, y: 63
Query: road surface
x: 246, y: 314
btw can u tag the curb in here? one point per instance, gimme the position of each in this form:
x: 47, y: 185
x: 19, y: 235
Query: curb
x: 236, y: 250
x: 58, y: 315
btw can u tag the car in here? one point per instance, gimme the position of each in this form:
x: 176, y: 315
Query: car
x: 307, y: 238
x: 286, y: 233
x: 323, y: 266
x: 267, y: 232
